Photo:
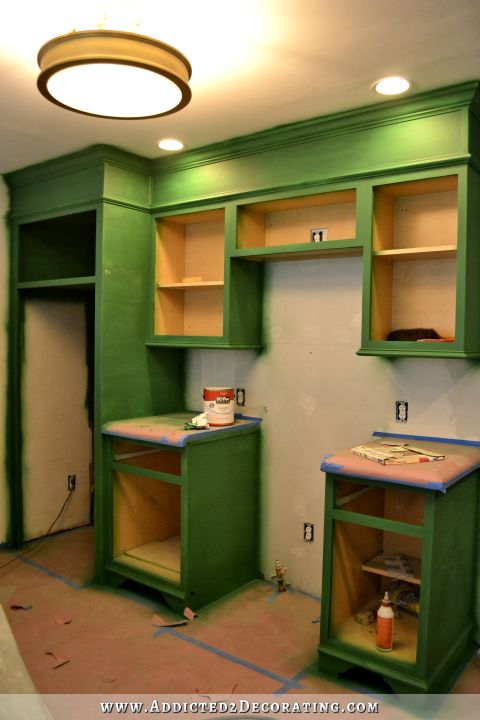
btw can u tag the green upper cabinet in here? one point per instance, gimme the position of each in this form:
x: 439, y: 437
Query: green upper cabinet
x: 298, y: 226
x: 201, y: 298
x: 56, y: 252
x: 422, y: 267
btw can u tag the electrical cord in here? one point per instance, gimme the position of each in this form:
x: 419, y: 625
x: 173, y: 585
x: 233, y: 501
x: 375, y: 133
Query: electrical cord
x: 42, y: 540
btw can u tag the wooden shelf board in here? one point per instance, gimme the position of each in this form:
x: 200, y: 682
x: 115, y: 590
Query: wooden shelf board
x: 299, y: 251
x: 159, y: 558
x: 84, y: 281
x: 376, y: 565
x: 190, y: 286
x: 418, y: 253
x: 405, y: 633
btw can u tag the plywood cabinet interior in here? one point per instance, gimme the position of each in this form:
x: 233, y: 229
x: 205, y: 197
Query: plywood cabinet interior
x: 414, y: 273
x: 190, y: 252
x: 290, y: 221
x: 180, y: 511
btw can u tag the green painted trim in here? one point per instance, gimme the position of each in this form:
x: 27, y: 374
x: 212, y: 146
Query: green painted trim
x: 175, y: 341
x: 406, y: 352
x: 153, y: 474
x: 126, y: 572
x: 449, y: 99
x: 294, y: 189
x: 377, y: 523
x: 92, y: 156
x: 88, y: 281
x: 14, y: 438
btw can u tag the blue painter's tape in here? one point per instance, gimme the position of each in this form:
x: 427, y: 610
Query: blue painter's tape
x: 50, y: 573
x: 331, y: 467
x: 452, y: 441
x: 233, y: 658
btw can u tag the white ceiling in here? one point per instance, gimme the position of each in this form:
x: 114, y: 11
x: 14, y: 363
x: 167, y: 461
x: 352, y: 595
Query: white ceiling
x: 256, y: 64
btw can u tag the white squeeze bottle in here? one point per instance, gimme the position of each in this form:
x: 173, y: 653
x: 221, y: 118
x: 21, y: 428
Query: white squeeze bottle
x: 385, y: 625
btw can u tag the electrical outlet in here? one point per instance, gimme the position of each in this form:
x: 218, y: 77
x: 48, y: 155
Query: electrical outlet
x: 401, y: 411
x: 240, y: 396
x: 308, y: 532
x: 71, y: 482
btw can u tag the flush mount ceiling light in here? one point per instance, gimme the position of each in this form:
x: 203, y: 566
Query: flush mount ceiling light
x: 114, y: 74
x: 391, y: 86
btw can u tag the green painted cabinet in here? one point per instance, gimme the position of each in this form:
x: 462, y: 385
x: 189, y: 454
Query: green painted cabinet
x: 422, y: 265
x: 180, y: 511
x: 201, y: 297
x: 437, y: 532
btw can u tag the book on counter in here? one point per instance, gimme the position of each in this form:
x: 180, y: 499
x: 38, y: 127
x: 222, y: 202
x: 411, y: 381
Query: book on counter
x: 396, y: 454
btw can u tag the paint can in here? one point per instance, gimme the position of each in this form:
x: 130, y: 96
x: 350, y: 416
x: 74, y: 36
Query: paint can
x: 219, y: 404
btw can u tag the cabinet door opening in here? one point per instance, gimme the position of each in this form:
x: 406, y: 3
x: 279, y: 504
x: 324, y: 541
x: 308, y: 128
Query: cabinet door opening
x: 190, y: 251
x: 292, y: 221
x: 414, y: 273
x: 147, y: 525
x: 360, y: 577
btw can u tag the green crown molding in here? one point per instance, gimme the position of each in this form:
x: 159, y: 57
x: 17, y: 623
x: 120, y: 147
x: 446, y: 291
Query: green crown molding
x: 80, y: 179
x: 436, y: 102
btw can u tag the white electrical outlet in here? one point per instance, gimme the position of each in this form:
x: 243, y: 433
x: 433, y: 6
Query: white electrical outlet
x: 401, y: 411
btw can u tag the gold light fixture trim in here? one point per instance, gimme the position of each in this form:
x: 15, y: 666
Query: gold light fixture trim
x: 114, y: 74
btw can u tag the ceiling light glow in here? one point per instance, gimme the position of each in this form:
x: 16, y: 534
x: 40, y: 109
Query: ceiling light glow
x: 391, y: 86
x: 170, y: 144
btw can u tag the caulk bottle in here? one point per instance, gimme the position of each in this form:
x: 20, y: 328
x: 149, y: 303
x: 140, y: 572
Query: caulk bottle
x: 385, y: 617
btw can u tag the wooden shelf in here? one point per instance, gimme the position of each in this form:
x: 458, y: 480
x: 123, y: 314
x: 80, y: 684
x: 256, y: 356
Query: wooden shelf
x: 71, y: 282
x: 301, y: 251
x: 377, y: 566
x: 423, y: 253
x: 191, y: 285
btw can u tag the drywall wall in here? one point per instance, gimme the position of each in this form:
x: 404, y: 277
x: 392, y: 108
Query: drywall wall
x: 57, y: 438
x: 317, y: 396
x: 3, y: 355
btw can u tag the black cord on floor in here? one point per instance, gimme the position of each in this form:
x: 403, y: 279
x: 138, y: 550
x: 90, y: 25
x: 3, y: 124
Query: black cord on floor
x: 42, y: 540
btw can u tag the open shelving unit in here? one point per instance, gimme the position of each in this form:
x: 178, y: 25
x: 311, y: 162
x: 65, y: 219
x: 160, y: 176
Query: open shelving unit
x: 414, y: 256
x: 421, y: 272
x: 57, y: 253
x: 369, y: 519
x: 306, y: 226
x: 190, y: 260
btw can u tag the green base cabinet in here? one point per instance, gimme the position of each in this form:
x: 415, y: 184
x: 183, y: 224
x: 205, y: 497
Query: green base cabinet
x: 437, y: 531
x: 180, y: 518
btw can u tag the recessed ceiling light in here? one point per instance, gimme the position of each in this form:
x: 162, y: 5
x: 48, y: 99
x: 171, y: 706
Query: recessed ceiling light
x: 391, y: 86
x: 170, y: 144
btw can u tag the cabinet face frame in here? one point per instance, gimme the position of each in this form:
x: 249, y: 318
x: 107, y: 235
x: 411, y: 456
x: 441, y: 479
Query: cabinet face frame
x: 137, y: 469
x: 380, y: 258
x: 382, y: 663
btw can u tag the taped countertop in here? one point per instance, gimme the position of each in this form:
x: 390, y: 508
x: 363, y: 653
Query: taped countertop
x: 461, y: 458
x: 169, y: 429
